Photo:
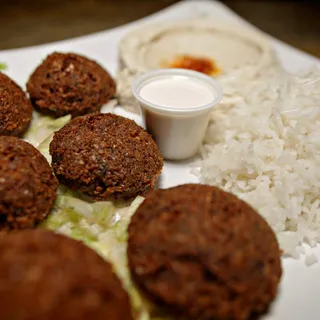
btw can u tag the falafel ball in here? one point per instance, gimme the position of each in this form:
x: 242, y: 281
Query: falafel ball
x: 105, y: 156
x: 202, y: 253
x: 15, y: 108
x: 67, y: 83
x: 44, y: 275
x: 27, y: 185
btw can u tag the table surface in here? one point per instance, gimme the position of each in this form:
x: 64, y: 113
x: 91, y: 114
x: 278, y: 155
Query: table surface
x: 31, y: 22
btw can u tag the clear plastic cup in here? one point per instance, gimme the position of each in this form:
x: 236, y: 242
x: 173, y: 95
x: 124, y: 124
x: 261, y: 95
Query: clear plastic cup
x: 179, y: 132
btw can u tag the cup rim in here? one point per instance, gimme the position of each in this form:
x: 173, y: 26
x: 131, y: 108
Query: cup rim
x: 212, y: 82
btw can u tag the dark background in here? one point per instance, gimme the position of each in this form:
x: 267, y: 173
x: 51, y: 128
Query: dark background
x: 31, y: 22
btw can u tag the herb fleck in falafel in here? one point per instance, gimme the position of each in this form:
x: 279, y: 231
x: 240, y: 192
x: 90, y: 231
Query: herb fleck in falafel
x: 67, y: 83
x: 27, y: 185
x: 44, y: 275
x: 15, y: 108
x: 106, y: 156
x: 202, y: 253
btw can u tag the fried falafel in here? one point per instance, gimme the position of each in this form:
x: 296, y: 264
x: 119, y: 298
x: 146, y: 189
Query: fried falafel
x: 44, y: 275
x: 27, y: 185
x: 15, y: 108
x: 105, y: 156
x: 67, y: 83
x: 202, y: 253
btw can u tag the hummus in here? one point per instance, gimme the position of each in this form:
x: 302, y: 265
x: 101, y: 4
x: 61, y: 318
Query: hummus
x: 230, y: 47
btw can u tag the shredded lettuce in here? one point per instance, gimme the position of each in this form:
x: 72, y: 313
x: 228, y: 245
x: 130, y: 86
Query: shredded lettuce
x: 43, y: 147
x: 3, y: 66
x: 43, y: 126
x: 103, y: 227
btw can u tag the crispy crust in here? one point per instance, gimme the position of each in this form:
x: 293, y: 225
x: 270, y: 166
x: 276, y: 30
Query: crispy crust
x: 15, y: 108
x: 106, y: 156
x: 67, y: 83
x: 203, y: 253
x: 44, y: 275
x: 27, y: 185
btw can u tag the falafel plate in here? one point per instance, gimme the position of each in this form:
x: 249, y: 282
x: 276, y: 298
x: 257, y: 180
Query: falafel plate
x: 97, y: 222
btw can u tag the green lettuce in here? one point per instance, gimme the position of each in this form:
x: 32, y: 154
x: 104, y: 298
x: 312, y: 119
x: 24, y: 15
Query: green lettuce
x: 44, y: 126
x: 3, y: 66
x: 103, y: 227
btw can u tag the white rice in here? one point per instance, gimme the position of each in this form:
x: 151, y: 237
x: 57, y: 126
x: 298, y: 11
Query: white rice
x: 265, y: 147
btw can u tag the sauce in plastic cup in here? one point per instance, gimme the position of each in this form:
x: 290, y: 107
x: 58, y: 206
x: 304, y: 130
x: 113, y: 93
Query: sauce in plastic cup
x: 176, y: 106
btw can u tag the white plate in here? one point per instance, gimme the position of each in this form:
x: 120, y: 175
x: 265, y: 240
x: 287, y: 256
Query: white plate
x: 300, y: 287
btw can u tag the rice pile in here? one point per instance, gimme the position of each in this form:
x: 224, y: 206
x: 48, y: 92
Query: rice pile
x: 264, y: 146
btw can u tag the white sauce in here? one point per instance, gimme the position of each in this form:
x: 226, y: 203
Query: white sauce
x: 177, y: 92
